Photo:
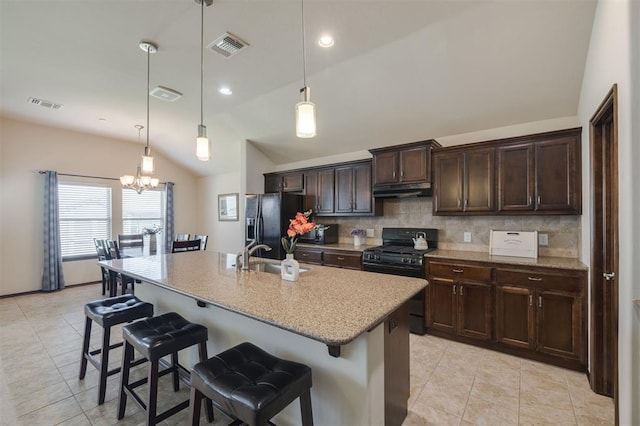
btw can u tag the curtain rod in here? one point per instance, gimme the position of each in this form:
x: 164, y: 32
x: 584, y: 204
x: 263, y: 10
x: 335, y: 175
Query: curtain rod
x: 90, y: 177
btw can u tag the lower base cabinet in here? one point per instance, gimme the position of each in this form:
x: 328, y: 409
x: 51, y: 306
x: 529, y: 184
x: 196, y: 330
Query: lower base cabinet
x: 528, y: 311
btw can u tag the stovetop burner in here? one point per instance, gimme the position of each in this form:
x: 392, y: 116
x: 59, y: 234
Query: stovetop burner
x: 397, y: 248
x: 400, y: 250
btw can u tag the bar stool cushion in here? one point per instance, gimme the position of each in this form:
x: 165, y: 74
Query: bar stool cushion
x: 249, y: 383
x: 162, y: 335
x: 117, y: 310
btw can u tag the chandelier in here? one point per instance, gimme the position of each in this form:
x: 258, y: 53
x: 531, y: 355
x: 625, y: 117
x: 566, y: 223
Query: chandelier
x: 140, y: 182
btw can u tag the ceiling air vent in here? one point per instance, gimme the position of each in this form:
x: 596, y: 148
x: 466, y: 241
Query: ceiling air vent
x: 43, y: 103
x: 165, y: 94
x: 227, y: 45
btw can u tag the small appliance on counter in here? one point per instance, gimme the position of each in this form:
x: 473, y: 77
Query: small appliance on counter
x: 323, y: 234
x: 514, y: 243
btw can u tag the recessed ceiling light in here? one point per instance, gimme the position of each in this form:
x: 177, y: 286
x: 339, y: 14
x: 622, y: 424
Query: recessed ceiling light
x: 225, y: 91
x: 326, y: 41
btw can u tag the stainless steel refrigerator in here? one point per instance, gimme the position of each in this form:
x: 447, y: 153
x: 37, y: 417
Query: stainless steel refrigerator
x: 267, y: 220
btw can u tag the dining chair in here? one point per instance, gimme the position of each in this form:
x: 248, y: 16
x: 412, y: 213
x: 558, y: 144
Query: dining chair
x: 181, y: 246
x: 103, y: 254
x: 123, y: 280
x: 203, y: 240
x: 131, y: 240
x: 182, y: 237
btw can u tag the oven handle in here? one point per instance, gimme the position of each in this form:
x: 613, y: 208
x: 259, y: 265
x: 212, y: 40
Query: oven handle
x: 391, y: 270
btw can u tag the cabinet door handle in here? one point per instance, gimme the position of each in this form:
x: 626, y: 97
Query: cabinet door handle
x: 461, y: 290
x: 454, y: 289
x: 394, y: 174
x: 530, y: 199
x: 402, y: 173
x: 534, y: 279
x: 458, y: 202
x: 458, y: 271
x: 539, y: 199
x: 531, y: 300
x: 466, y: 203
x: 609, y: 275
x: 539, y: 301
x: 340, y: 258
x: 305, y: 254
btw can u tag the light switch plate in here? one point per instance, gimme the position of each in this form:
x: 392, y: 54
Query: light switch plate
x: 543, y: 239
x: 370, y: 232
x: 467, y: 237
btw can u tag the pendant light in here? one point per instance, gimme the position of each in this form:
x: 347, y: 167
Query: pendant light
x: 203, y: 145
x: 147, y: 159
x: 305, y: 109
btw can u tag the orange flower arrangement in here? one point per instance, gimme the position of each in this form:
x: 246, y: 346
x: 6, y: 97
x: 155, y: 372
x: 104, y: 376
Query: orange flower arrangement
x: 298, y: 226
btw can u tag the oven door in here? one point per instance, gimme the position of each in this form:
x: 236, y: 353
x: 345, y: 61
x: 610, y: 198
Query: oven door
x: 417, y: 303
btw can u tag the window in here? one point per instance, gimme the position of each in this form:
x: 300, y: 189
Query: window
x: 141, y: 211
x: 85, y: 214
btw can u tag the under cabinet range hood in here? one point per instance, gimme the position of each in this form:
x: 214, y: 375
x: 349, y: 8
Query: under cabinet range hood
x: 403, y: 190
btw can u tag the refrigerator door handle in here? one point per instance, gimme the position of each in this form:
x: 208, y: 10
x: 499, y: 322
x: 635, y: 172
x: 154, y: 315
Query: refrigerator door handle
x: 258, y: 236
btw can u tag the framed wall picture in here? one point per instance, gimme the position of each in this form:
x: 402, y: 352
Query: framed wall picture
x: 228, y: 207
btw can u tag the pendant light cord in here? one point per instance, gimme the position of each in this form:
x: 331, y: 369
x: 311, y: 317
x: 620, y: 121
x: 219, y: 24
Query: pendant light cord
x: 304, y: 52
x: 148, y: 90
x: 202, y: 62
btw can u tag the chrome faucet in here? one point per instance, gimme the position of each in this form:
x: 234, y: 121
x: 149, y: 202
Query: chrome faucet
x: 244, y: 255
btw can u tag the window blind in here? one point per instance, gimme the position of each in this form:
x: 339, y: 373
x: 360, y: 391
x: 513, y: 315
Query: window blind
x: 141, y: 211
x: 85, y: 214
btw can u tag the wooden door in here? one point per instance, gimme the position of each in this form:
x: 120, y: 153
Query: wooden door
x: 604, y: 249
x: 325, y: 191
x: 515, y: 316
x: 479, y: 180
x: 344, y: 190
x: 447, y: 177
x: 474, y: 310
x: 559, y: 322
x: 413, y: 165
x: 556, y: 175
x: 442, y: 304
x: 385, y: 166
x: 362, y: 197
x: 516, y: 178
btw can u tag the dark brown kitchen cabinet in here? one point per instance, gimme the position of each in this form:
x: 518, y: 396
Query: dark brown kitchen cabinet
x: 319, y: 188
x: 308, y: 255
x: 353, y: 189
x: 403, y: 164
x: 329, y: 257
x: 541, y: 176
x: 283, y: 182
x: 541, y: 310
x: 464, y: 181
x: 460, y: 299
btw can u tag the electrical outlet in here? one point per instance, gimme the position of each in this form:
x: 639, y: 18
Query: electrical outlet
x: 543, y: 239
x: 370, y: 232
x: 467, y: 237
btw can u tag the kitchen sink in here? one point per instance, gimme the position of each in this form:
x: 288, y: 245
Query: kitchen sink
x: 269, y: 268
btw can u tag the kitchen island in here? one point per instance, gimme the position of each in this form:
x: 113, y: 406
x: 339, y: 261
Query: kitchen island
x: 350, y: 327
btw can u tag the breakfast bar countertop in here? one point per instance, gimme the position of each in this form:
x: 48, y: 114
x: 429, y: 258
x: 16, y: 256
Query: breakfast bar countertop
x: 330, y: 305
x: 542, y: 261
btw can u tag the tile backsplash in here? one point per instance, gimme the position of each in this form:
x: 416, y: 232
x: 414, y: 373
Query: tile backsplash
x: 563, y: 231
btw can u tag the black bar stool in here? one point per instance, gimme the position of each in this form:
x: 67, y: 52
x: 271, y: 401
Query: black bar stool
x: 250, y: 385
x: 107, y: 313
x: 155, y: 338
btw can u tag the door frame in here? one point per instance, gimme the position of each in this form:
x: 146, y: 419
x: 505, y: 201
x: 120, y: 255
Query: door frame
x: 604, y: 157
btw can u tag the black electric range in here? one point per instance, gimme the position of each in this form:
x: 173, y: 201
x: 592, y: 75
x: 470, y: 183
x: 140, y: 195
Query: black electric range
x: 396, y: 256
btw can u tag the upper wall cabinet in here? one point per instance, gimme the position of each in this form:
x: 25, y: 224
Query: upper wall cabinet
x: 402, y: 165
x: 537, y: 174
x: 284, y: 182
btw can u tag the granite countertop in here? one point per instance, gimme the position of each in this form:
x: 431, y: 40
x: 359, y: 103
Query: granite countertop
x: 547, y: 262
x: 339, y: 246
x: 330, y: 305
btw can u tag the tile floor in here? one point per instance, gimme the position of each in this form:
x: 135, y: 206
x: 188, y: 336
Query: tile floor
x: 451, y: 383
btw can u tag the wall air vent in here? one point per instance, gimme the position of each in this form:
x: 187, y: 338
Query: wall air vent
x: 45, y: 104
x: 227, y: 45
x: 165, y: 94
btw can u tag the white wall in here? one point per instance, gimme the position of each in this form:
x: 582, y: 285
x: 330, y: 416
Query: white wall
x: 26, y: 148
x: 609, y: 62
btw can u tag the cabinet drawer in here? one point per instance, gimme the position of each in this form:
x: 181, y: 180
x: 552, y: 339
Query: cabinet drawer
x: 544, y: 280
x: 342, y: 260
x: 308, y: 256
x: 460, y: 271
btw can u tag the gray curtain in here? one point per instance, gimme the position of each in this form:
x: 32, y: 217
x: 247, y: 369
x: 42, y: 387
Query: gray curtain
x: 52, y: 276
x: 168, y: 218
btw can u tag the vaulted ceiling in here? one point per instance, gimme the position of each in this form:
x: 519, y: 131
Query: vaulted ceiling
x: 400, y: 71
